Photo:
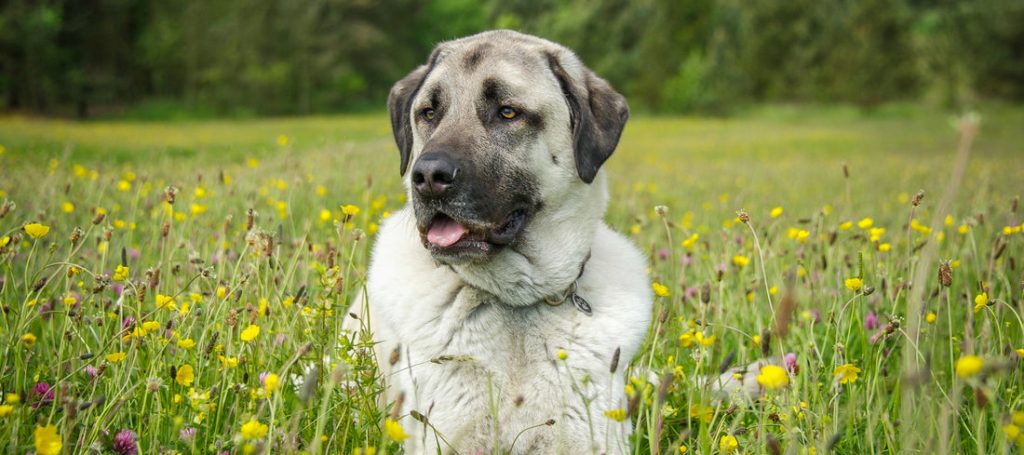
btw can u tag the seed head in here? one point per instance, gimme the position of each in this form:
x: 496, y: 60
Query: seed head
x: 945, y: 274
x: 170, y: 194
x: 916, y: 201
x: 661, y: 210
x: 743, y: 216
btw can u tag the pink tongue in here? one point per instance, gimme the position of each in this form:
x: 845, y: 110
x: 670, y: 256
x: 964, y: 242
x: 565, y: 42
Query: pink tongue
x: 445, y: 232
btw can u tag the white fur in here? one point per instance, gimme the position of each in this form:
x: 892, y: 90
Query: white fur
x: 499, y: 351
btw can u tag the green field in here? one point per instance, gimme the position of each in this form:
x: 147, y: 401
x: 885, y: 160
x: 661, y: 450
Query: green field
x: 165, y: 348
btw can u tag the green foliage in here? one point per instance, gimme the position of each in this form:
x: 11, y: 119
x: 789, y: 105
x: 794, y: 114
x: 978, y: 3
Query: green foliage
x: 273, y: 57
x: 294, y: 271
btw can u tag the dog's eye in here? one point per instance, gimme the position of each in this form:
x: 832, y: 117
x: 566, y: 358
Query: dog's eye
x: 507, y: 113
x: 429, y: 113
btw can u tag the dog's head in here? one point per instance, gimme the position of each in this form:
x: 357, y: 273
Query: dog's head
x: 493, y: 130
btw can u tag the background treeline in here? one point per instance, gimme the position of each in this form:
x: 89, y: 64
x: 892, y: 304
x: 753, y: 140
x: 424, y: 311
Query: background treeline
x: 269, y: 57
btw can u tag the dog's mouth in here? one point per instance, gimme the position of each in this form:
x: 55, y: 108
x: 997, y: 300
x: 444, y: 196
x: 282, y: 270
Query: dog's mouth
x: 449, y: 237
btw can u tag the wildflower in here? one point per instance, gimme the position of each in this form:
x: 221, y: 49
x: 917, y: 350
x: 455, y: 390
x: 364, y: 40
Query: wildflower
x: 282, y: 140
x: 660, y: 290
x: 6, y: 410
x: 871, y: 321
x: 270, y: 382
x: 394, y: 430
x: 120, y: 273
x: 12, y: 398
x: 43, y: 394
x: 186, y: 343
x: 740, y: 261
x: 689, y: 242
x: 853, y: 284
x: 728, y: 444
x: 705, y: 340
x: 617, y: 415
x: 968, y: 366
x: 187, y: 434
x: 562, y: 355
x: 773, y: 377
x: 350, y: 210
x: 963, y: 229
x: 69, y: 300
x: 28, y: 338
x: 866, y: 223
x: 884, y: 247
x: 325, y: 215
x: 686, y: 339
x: 930, y: 317
x: 846, y: 226
x: 150, y: 326
x: 67, y: 207
x: 185, y: 375
x: 1020, y: 352
x: 980, y: 301
x: 124, y: 443
x: 48, y: 442
x: 776, y: 212
x: 250, y: 333
x: 846, y: 374
x: 253, y: 429
x: 165, y: 301
x: 36, y: 230
x: 682, y: 448
x: 116, y: 357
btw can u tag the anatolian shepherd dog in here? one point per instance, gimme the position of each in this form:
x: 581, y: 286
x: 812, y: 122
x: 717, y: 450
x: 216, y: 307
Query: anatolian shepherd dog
x: 503, y: 307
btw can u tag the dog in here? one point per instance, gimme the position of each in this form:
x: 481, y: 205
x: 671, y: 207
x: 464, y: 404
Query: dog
x: 502, y: 307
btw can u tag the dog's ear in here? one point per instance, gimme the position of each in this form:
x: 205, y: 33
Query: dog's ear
x: 399, y: 105
x: 597, y: 115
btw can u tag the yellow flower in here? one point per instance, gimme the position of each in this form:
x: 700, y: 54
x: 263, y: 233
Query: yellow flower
x: 876, y: 233
x: 660, y: 290
x: 883, y: 247
x: 228, y: 362
x: 6, y: 410
x: 185, y: 375
x: 963, y: 229
x: 845, y: 226
x: 686, y: 339
x: 562, y: 355
x: 250, y: 333
x: 853, y: 284
x: 150, y: 326
x: 930, y: 317
x: 253, y: 429
x: 980, y: 301
x: 776, y: 212
x: 617, y: 415
x: 67, y: 207
x: 1020, y: 352
x: 773, y: 377
x: 682, y: 449
x: 969, y: 365
x: 48, y: 442
x: 70, y: 300
x: 271, y: 382
x: 692, y: 240
x: 198, y: 209
x: 350, y: 210
x: 165, y: 301
x: 120, y: 273
x: 325, y: 215
x: 12, y: 398
x: 282, y: 140
x: 846, y: 374
x: 28, y: 338
x: 728, y: 444
x: 740, y: 261
x: 866, y: 223
x: 186, y: 344
x: 5, y: 240
x: 116, y: 357
x: 394, y: 430
x: 36, y: 230
x: 705, y: 340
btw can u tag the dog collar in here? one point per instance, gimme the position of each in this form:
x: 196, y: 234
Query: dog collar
x: 570, y: 293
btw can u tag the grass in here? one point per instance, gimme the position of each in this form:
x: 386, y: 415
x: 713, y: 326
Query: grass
x: 805, y: 276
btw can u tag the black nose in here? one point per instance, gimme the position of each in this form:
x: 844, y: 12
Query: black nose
x: 434, y: 174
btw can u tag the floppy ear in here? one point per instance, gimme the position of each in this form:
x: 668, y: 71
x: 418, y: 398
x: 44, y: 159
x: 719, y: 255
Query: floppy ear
x: 597, y: 115
x: 399, y: 104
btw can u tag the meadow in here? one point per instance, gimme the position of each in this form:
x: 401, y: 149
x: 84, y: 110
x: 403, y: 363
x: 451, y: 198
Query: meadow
x: 179, y: 287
